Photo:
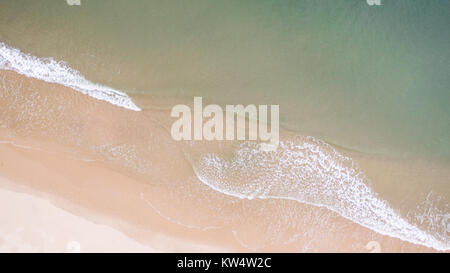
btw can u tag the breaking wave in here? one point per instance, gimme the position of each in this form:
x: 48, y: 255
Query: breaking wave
x: 50, y: 70
x: 309, y: 171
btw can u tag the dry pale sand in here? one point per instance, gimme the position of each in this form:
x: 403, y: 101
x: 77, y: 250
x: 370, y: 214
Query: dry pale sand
x: 57, y: 195
x: 34, y: 224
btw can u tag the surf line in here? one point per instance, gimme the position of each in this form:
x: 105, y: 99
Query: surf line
x: 213, y: 128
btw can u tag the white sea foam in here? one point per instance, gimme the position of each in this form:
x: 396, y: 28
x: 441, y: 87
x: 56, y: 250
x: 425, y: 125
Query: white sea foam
x: 50, y: 70
x: 309, y: 171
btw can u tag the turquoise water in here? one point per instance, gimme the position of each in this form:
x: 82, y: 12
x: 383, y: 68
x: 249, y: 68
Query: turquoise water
x: 371, y: 78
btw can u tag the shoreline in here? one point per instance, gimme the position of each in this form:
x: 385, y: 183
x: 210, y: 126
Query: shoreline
x: 145, y: 226
x: 119, y: 198
x: 42, y: 224
x: 79, y: 201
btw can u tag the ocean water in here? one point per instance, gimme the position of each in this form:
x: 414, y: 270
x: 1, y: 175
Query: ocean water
x: 371, y: 79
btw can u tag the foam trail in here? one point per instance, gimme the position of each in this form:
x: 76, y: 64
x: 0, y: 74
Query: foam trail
x: 50, y: 70
x: 309, y: 171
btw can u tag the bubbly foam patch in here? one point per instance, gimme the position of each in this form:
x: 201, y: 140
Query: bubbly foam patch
x: 309, y: 171
x: 432, y: 214
x: 50, y: 70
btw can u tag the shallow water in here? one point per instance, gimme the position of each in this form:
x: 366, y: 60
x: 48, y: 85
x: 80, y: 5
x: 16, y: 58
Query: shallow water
x: 374, y: 79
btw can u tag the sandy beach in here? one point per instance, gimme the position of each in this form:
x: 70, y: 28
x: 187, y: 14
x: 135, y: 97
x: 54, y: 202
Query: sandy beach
x: 61, y: 187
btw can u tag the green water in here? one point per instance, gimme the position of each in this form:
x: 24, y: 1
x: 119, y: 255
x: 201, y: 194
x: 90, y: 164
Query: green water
x: 371, y: 78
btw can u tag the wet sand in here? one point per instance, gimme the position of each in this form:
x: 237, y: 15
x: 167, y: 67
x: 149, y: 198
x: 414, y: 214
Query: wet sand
x: 45, y: 152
